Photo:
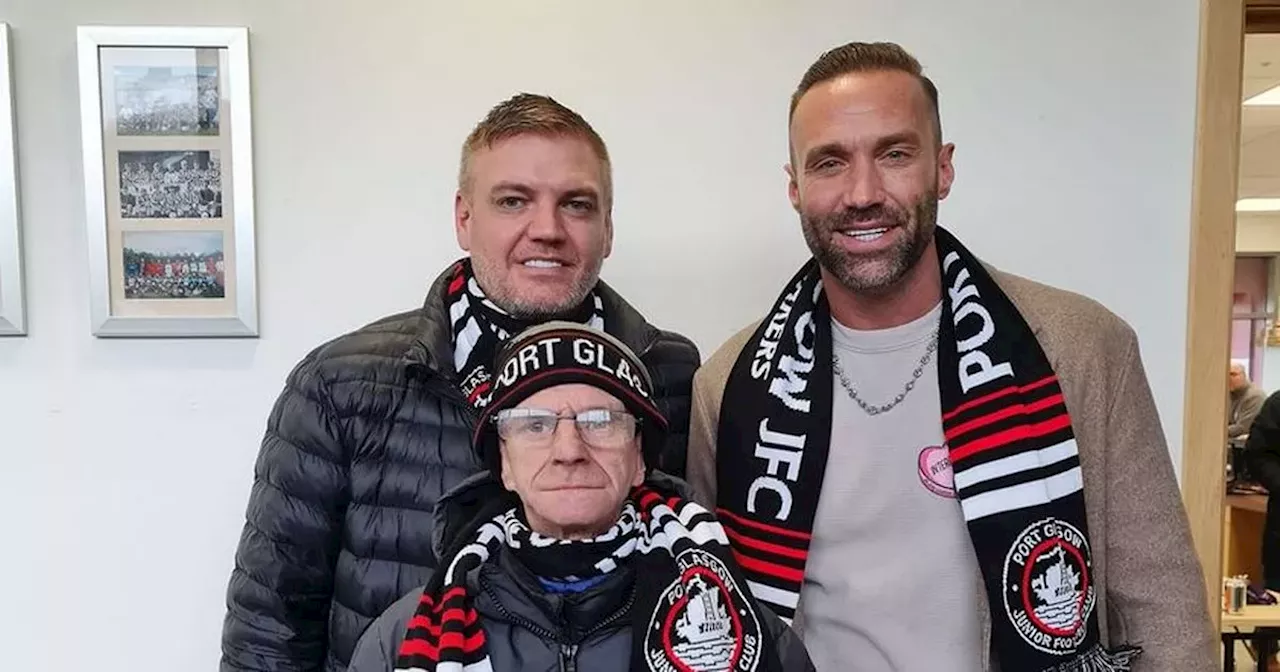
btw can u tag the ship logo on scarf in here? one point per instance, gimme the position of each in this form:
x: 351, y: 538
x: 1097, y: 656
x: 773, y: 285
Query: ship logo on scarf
x: 702, y: 622
x: 1048, y: 589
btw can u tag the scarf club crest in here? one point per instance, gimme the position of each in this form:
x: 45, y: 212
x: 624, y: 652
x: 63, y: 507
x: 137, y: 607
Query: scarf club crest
x: 703, y: 622
x: 1048, y: 588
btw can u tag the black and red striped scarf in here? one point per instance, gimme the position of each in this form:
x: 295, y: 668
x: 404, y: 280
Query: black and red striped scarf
x: 480, y: 326
x: 1009, y: 438
x: 690, y: 612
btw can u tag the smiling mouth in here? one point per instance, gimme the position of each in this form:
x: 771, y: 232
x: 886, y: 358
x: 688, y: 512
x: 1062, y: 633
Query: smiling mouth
x: 865, y: 235
x: 543, y: 263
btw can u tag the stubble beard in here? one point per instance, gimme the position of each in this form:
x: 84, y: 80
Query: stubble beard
x: 872, y: 274
x: 499, y: 288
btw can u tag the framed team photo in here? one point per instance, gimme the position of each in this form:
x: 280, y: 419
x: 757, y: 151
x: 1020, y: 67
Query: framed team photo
x: 170, y: 185
x: 13, y: 320
x: 174, y: 265
x: 166, y: 120
x: 167, y: 99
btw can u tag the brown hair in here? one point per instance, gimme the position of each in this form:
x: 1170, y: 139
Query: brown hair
x: 529, y: 113
x: 866, y: 57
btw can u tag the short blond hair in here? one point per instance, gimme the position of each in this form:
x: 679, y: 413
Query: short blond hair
x: 535, y: 114
x: 866, y: 57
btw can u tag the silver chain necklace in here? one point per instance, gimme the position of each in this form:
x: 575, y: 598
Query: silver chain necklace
x: 911, y: 384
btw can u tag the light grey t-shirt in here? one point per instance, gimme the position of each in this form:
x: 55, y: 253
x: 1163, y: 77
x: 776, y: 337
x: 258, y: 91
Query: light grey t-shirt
x: 892, y: 581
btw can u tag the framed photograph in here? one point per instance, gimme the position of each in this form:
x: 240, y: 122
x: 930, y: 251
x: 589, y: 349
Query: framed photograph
x: 13, y: 316
x: 168, y: 153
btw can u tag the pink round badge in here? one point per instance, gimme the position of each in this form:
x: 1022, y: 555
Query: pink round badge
x: 935, y: 471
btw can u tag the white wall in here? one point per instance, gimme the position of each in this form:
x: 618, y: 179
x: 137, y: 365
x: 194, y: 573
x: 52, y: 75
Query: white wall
x: 126, y: 464
x: 1270, y: 370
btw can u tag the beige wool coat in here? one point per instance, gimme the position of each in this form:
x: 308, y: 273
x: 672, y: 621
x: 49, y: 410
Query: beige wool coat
x: 1150, y: 589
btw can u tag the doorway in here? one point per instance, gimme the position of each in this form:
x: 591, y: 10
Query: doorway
x: 1222, y: 185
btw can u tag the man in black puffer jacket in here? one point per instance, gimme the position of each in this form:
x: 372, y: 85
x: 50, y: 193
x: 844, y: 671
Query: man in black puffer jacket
x: 374, y: 427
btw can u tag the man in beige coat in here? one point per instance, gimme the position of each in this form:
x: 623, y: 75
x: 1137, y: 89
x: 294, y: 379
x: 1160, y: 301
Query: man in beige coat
x: 982, y: 482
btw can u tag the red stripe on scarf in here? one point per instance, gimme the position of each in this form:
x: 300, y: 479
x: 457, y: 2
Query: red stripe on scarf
x: 751, y: 564
x: 452, y: 593
x: 771, y: 529
x: 419, y: 647
x: 739, y: 538
x: 996, y: 416
x: 996, y: 395
x: 460, y: 614
x: 449, y: 640
x: 452, y: 640
x: 474, y: 643
x: 647, y: 498
x: 456, y: 284
x: 433, y: 626
x: 1008, y: 436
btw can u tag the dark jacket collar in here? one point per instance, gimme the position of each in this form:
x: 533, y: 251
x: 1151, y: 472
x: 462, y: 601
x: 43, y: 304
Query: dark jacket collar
x: 433, y: 348
x: 506, y: 589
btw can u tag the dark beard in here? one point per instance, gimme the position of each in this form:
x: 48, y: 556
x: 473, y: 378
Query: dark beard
x: 859, y: 273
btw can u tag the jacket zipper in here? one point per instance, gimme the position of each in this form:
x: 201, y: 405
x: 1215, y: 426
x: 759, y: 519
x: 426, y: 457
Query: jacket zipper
x: 517, y: 620
x: 568, y: 655
x: 568, y: 649
x: 616, y: 616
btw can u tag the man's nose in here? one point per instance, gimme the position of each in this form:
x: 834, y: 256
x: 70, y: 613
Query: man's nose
x: 864, y: 186
x: 566, y: 444
x: 547, y: 224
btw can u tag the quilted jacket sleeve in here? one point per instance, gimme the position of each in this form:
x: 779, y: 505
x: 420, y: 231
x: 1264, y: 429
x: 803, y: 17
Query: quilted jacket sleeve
x: 672, y: 361
x: 280, y: 590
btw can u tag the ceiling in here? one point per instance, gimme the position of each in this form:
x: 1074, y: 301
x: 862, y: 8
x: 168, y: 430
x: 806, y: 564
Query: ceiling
x: 1260, y: 126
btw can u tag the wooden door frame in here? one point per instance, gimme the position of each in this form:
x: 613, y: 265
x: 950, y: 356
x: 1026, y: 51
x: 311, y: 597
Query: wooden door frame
x: 1212, y: 267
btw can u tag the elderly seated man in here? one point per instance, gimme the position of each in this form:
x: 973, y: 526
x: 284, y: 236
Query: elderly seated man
x: 570, y: 552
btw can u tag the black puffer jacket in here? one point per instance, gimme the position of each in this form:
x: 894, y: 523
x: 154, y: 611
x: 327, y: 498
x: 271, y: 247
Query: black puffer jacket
x: 525, y: 627
x: 368, y: 434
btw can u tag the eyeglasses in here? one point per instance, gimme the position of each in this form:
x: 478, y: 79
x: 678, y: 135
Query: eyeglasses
x: 597, y: 427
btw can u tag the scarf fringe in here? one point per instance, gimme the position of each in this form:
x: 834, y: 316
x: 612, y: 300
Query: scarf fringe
x: 1102, y: 660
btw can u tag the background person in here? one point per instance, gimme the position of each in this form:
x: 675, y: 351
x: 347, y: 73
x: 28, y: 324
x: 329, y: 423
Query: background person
x: 1245, y: 401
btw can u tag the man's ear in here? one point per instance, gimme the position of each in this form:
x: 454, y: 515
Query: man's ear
x: 608, y: 235
x: 462, y: 220
x: 793, y: 188
x: 946, y: 169
x: 638, y: 479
